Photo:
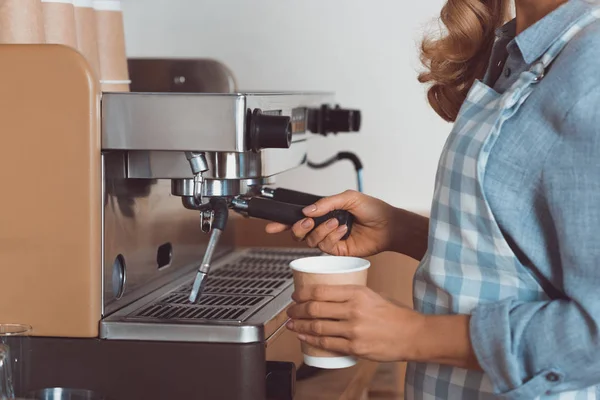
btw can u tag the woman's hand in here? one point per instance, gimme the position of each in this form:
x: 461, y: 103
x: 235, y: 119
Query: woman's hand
x: 355, y: 320
x: 372, y: 231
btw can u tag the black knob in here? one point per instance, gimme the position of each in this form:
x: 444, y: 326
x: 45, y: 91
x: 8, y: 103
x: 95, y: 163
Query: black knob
x: 333, y: 120
x: 269, y: 131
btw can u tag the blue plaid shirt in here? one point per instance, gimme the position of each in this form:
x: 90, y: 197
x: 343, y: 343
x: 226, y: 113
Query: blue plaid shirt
x: 543, y: 185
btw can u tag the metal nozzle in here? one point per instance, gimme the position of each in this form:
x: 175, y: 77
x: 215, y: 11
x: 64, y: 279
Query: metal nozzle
x: 199, y: 165
x: 197, y: 162
x: 268, y: 193
x: 204, y: 269
x: 198, y: 286
x: 239, y: 204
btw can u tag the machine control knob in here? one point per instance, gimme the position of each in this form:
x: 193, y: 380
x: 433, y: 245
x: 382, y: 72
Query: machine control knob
x: 269, y: 131
x: 327, y: 120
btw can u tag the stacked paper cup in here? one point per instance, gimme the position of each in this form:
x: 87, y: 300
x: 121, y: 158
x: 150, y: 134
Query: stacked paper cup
x: 59, y: 22
x: 85, y: 26
x: 21, y: 21
x: 114, y: 75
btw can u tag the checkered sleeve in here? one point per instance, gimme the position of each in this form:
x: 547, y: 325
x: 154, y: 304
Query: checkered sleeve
x: 534, y: 348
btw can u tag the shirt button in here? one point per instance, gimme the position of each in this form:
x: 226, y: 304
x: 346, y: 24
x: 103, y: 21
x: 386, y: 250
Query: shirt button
x: 507, y: 72
x: 552, y: 377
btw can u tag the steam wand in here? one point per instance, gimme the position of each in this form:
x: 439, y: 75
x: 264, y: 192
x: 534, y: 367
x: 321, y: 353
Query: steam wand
x: 221, y: 213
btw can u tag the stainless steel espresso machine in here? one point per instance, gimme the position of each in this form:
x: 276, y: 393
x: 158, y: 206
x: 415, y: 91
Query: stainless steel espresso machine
x: 117, y: 239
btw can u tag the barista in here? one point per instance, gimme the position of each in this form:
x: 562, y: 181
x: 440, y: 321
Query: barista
x: 506, y: 294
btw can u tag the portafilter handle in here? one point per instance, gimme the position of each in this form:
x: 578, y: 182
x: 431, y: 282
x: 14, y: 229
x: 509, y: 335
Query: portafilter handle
x: 289, y: 196
x: 286, y: 213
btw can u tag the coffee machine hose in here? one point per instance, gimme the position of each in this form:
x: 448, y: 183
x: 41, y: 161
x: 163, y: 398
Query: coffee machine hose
x: 344, y: 155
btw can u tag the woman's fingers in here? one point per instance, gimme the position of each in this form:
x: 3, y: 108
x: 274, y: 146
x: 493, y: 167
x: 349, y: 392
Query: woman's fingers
x: 342, y: 201
x: 331, y: 293
x: 321, y: 232
x: 302, y: 228
x: 299, y: 229
x: 318, y: 327
x: 275, y: 227
x: 329, y: 229
x: 329, y: 244
x: 335, y: 344
x: 316, y: 309
x: 305, y: 229
x: 324, y: 236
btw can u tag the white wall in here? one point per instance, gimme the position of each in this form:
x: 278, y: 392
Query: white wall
x: 365, y: 51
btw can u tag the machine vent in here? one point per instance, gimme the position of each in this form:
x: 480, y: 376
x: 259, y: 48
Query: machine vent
x: 263, y: 272
x: 213, y: 300
x: 292, y: 254
x: 176, y: 306
x: 233, y: 291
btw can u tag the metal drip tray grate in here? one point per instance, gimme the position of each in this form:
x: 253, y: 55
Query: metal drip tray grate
x: 262, y: 272
x: 233, y: 291
x: 176, y: 306
x: 290, y: 254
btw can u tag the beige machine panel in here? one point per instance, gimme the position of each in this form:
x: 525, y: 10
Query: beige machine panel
x: 50, y: 208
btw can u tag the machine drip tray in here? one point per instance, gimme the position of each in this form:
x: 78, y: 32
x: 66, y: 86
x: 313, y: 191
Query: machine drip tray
x: 176, y: 306
x: 245, y: 292
x: 250, y: 275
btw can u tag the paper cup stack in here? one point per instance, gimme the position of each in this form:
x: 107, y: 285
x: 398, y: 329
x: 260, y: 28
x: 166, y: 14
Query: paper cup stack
x: 93, y: 27
x: 21, y: 21
x: 114, y: 75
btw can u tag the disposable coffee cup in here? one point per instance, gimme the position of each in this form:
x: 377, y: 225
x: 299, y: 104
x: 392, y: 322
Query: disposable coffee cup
x: 85, y: 28
x: 110, y: 32
x: 59, y: 22
x: 328, y: 270
x: 21, y: 22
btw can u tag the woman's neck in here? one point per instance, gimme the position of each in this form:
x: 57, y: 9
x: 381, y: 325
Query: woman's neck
x: 531, y: 11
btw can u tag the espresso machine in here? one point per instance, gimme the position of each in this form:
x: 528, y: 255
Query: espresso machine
x: 118, y: 219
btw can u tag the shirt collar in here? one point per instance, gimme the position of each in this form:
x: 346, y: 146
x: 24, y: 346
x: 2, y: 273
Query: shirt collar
x: 537, y: 39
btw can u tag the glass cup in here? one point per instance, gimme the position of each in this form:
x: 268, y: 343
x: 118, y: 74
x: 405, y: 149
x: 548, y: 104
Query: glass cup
x: 14, y: 353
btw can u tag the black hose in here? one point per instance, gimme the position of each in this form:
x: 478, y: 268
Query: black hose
x: 344, y: 155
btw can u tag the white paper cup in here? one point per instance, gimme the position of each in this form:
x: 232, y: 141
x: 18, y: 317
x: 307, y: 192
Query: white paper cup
x: 328, y: 270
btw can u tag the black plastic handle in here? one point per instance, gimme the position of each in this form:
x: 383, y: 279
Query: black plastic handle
x: 327, y: 120
x: 289, y: 214
x: 294, y: 197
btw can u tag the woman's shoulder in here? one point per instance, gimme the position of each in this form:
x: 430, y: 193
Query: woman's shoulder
x: 579, y: 62
x: 574, y: 74
x: 586, y: 44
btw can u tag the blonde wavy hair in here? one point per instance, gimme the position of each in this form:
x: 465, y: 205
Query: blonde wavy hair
x: 459, y: 56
